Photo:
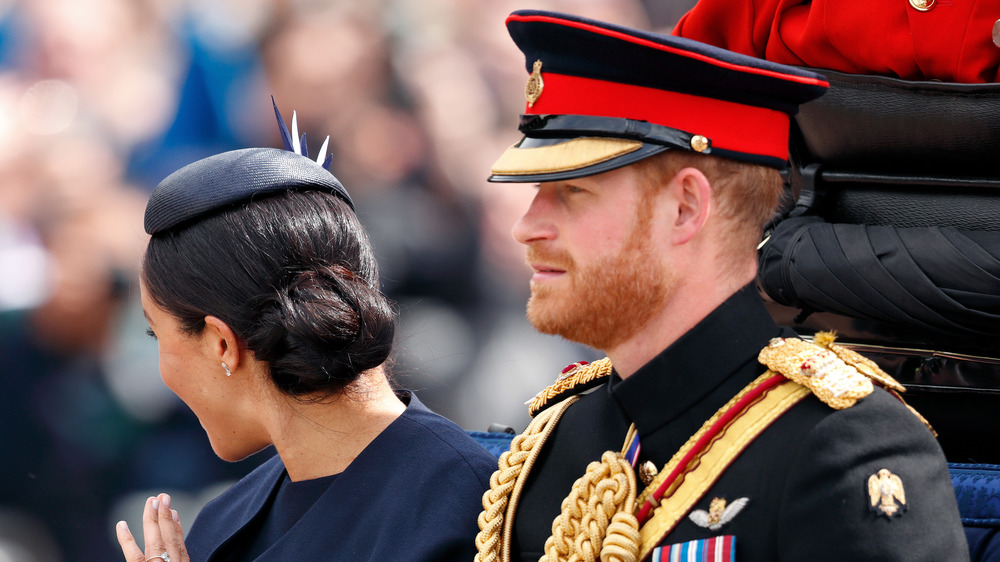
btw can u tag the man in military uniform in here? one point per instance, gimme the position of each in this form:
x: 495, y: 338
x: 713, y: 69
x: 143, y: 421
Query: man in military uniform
x: 709, y: 433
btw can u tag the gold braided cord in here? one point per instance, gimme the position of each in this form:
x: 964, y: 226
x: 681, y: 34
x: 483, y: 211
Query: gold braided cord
x: 493, y: 540
x: 597, y: 521
x: 522, y: 477
x: 621, y: 544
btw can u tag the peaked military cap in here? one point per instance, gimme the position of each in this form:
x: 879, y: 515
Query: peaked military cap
x: 601, y: 96
x: 236, y: 176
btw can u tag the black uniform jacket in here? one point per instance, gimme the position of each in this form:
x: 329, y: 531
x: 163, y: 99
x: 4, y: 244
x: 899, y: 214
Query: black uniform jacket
x: 806, y: 476
x: 413, y: 494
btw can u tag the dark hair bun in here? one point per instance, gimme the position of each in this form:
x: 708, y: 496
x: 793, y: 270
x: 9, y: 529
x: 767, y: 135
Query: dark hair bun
x: 321, y: 330
x: 293, y: 275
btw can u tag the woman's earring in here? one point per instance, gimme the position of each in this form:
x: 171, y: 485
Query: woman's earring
x: 226, y: 367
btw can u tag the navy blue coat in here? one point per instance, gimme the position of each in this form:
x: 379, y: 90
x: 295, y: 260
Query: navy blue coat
x: 413, y: 494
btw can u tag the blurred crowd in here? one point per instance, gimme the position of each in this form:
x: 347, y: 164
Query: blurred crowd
x: 100, y: 99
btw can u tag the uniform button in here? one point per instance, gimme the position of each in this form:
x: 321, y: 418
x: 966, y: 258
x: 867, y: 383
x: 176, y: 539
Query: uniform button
x: 996, y: 33
x: 922, y: 5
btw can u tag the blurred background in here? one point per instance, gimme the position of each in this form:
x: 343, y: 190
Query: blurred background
x: 101, y: 99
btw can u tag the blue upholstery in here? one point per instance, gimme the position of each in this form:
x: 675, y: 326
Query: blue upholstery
x: 977, y: 488
x: 494, y: 442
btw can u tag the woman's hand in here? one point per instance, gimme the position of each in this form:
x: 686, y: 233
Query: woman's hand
x: 161, y: 529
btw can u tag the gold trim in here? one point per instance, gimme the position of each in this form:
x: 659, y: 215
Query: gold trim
x: 711, y: 463
x: 647, y: 493
x: 500, y: 501
x: 570, y: 155
x: 581, y: 374
x: 832, y: 380
x: 547, y: 427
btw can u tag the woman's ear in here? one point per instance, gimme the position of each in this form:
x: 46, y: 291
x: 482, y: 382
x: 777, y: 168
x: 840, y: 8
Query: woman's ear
x: 222, y: 342
x: 691, y: 192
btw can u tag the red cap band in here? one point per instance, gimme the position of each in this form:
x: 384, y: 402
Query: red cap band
x: 730, y: 126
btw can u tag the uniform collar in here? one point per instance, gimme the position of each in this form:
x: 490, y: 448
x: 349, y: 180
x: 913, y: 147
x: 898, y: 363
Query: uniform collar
x: 723, y: 345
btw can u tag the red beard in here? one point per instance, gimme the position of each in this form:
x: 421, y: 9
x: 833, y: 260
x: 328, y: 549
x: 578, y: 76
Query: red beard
x: 604, y: 303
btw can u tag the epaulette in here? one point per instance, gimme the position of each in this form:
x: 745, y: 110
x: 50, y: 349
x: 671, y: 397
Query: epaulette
x: 836, y: 375
x: 574, y: 379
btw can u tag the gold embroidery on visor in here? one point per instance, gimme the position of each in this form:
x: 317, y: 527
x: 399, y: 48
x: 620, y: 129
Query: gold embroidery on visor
x: 570, y: 155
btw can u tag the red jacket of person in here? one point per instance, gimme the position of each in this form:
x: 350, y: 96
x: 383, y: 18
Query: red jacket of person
x: 948, y: 40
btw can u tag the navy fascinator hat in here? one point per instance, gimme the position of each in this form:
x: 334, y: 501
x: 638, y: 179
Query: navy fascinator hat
x: 236, y: 176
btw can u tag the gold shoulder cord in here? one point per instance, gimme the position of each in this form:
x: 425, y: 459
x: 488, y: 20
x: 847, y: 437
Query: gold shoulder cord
x: 597, y: 521
x: 496, y: 520
x: 500, y: 501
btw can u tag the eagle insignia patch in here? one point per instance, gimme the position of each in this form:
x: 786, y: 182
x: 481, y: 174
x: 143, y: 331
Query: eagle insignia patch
x: 718, y: 513
x: 885, y: 494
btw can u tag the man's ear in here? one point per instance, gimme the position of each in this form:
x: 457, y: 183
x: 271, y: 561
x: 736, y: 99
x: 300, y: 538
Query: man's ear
x: 222, y: 342
x: 692, y: 194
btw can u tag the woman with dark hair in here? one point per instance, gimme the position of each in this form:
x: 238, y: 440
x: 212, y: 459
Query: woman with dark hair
x: 261, y: 288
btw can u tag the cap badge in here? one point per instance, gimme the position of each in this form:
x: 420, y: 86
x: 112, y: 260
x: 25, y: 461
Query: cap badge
x: 885, y: 489
x: 699, y: 143
x: 718, y: 513
x: 533, y: 89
